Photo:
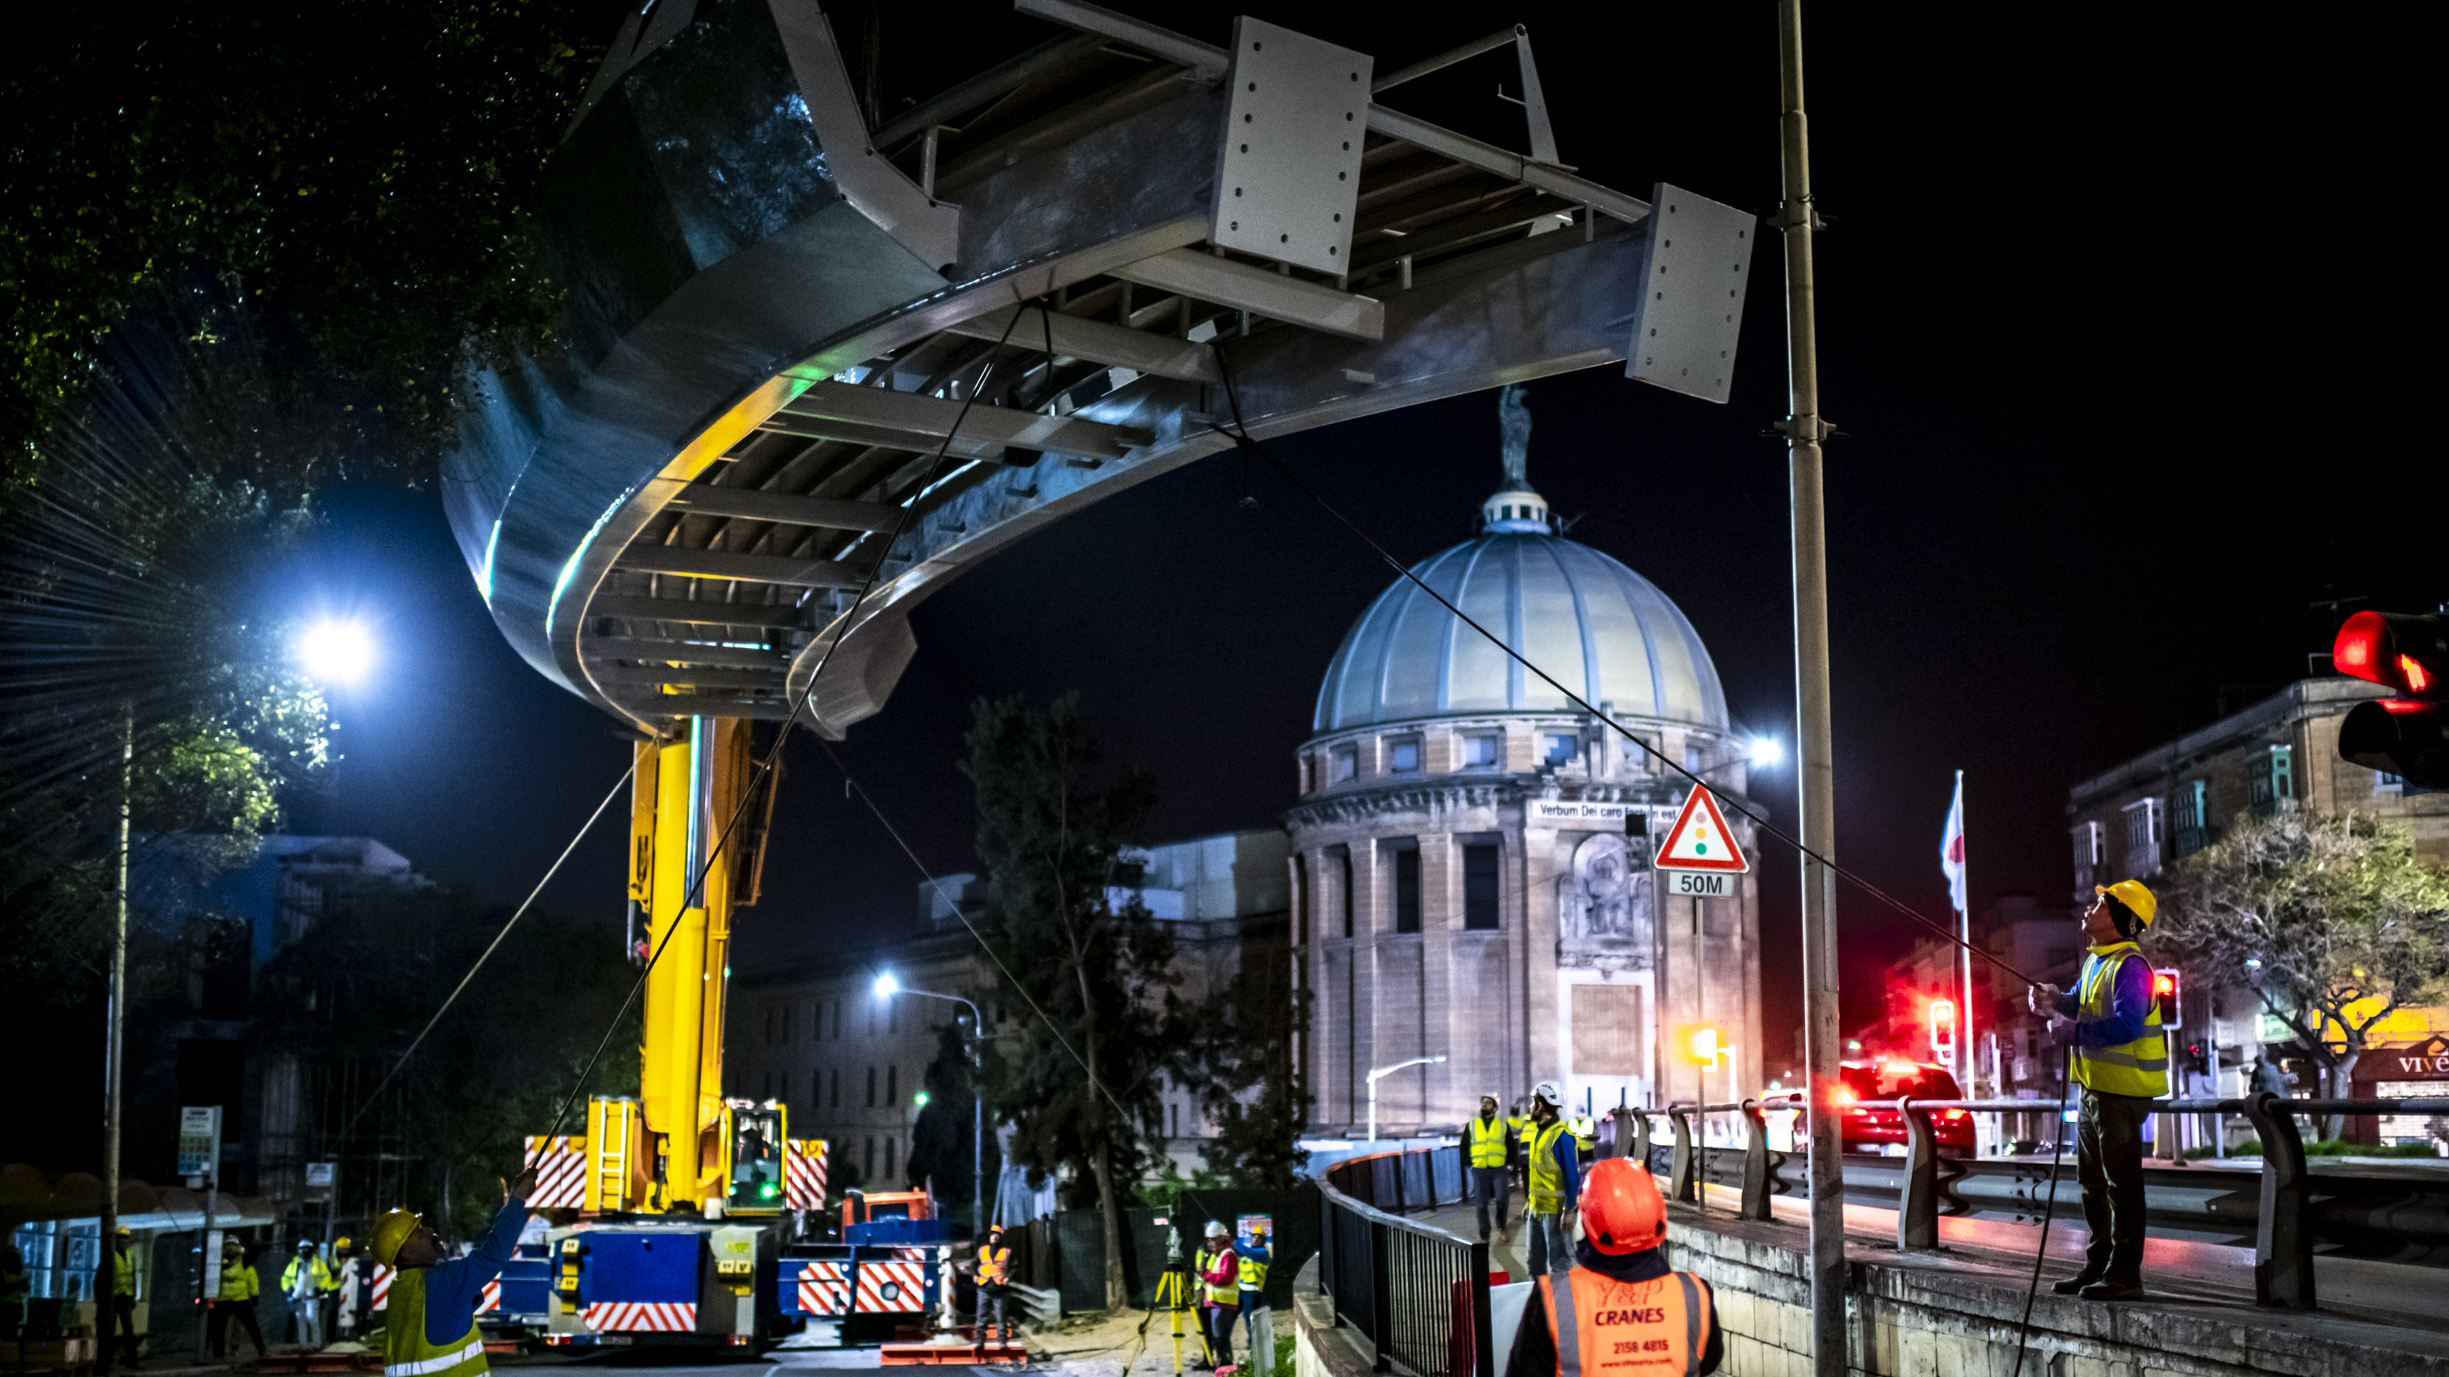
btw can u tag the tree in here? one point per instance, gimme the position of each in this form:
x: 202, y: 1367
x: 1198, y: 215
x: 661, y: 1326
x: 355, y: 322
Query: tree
x: 1087, y: 981
x: 1240, y: 1062
x: 940, y: 1140
x: 2333, y: 923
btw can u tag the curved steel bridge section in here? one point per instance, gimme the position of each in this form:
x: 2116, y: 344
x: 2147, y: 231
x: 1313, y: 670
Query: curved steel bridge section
x: 778, y: 316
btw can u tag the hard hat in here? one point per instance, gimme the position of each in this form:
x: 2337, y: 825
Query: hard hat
x: 390, y: 1232
x: 1216, y: 1229
x: 341, y: 1243
x: 1546, y: 1090
x: 1621, y: 1209
x: 125, y: 1232
x: 2132, y: 894
x: 306, y: 1245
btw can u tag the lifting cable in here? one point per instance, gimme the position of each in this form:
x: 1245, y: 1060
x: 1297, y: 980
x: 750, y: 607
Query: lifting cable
x: 1240, y: 435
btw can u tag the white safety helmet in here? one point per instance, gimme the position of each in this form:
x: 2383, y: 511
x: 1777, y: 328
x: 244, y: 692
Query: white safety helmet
x: 1547, y: 1090
x: 1216, y: 1229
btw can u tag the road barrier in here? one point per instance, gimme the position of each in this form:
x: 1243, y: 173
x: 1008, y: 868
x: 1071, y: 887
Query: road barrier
x: 1419, y: 1293
x: 2293, y: 1208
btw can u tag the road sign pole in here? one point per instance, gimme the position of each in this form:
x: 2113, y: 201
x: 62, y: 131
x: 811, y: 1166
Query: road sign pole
x: 1816, y: 788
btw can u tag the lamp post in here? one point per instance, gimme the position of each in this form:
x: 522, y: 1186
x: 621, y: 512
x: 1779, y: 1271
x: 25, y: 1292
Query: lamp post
x: 888, y: 985
x: 1388, y: 1071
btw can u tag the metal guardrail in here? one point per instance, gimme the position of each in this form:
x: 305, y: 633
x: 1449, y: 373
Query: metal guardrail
x: 1419, y: 1293
x: 2284, y: 1221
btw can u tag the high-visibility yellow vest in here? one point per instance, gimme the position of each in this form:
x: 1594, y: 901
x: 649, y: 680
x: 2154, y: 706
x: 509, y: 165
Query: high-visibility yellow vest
x: 237, y: 1282
x: 2136, y: 1068
x: 1486, y: 1138
x: 1229, y: 1293
x: 1547, y: 1188
x: 124, y: 1272
x: 405, y: 1351
x: 1585, y: 1130
x: 1253, y: 1273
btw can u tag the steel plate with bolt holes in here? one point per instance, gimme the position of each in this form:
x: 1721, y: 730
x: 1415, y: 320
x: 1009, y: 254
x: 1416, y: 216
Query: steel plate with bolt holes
x: 1692, y: 298
x: 1289, y: 173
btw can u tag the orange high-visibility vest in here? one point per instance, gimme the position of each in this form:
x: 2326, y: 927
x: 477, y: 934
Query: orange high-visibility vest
x: 993, y: 1264
x: 1655, y: 1328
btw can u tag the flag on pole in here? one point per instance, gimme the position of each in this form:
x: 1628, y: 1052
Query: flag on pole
x: 1951, y: 847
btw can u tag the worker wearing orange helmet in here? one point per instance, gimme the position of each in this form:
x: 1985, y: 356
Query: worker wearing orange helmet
x: 1620, y: 1310
x: 2120, y: 1053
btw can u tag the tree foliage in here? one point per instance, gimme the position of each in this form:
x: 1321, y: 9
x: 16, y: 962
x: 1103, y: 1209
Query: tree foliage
x: 2332, y: 921
x: 1239, y: 1060
x: 1086, y: 982
x: 355, y: 176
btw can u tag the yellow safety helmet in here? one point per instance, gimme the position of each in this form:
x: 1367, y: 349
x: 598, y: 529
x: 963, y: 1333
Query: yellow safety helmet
x: 340, y: 1244
x: 390, y: 1232
x: 2132, y: 894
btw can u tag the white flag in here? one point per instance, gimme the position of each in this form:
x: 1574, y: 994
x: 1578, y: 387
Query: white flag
x: 1951, y: 847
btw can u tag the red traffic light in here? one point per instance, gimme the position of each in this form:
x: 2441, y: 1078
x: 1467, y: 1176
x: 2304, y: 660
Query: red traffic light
x: 2166, y: 994
x: 2407, y: 653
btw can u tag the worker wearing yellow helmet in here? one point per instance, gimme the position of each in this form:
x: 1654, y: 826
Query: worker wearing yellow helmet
x: 2111, y: 1022
x: 430, y: 1326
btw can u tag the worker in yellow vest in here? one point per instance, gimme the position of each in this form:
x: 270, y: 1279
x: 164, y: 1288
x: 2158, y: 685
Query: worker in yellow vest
x: 1257, y: 1314
x: 1555, y: 1171
x: 994, y: 1287
x: 122, y: 1312
x: 233, y: 1301
x: 1484, y: 1138
x: 430, y: 1326
x: 1585, y: 1131
x: 1219, y: 1293
x: 1620, y: 1311
x: 2113, y: 1024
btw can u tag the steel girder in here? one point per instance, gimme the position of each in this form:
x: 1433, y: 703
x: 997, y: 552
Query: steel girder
x: 777, y: 319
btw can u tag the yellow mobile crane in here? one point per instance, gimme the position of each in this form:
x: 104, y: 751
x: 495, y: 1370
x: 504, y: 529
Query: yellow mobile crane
x: 658, y: 1179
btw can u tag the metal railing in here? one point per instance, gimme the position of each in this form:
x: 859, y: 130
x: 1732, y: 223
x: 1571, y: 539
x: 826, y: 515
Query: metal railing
x: 2285, y: 1218
x: 1419, y: 1293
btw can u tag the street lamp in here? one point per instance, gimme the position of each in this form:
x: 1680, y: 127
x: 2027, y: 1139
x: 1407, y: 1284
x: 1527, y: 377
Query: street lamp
x: 888, y: 985
x: 1388, y: 1071
x: 335, y: 651
x: 1766, y: 752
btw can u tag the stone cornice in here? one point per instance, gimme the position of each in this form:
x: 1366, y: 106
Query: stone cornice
x: 1454, y: 792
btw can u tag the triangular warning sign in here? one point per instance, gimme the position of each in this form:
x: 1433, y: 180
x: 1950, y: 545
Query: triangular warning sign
x: 1700, y: 839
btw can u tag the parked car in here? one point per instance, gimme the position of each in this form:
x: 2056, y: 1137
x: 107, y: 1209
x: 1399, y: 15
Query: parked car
x: 1891, y: 1078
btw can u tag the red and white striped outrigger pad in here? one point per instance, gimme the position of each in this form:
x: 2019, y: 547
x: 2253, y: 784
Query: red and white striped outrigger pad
x: 382, y: 1288
x: 803, y: 1173
x: 491, y: 1298
x: 643, y: 1317
x: 560, y: 1165
x: 892, y: 1287
x: 824, y: 1289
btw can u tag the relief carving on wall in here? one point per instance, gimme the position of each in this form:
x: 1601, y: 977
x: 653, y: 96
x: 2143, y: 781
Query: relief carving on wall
x: 1604, y: 905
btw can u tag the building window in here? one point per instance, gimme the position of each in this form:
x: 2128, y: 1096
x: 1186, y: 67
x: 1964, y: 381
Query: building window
x: 1343, y: 764
x: 870, y: 1173
x: 1480, y: 863
x: 1562, y: 746
x: 2143, y: 828
x: 892, y: 1085
x: 1173, y: 1120
x: 1344, y: 866
x: 1403, y: 755
x: 1482, y: 751
x: 834, y: 1100
x: 871, y: 1087
x: 2091, y: 849
x: 1407, y: 888
x: 2193, y: 816
x: 2271, y: 781
x: 1301, y: 901
x: 2383, y: 782
x: 1637, y: 754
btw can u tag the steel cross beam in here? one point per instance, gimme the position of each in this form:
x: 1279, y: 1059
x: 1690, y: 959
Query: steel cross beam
x: 802, y: 353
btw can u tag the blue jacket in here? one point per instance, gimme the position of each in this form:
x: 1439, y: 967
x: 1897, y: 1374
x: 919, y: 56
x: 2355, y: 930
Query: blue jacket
x: 1568, y: 1155
x: 2129, y: 1004
x: 453, y: 1288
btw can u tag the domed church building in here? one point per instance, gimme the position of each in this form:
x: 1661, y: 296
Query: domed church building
x: 1466, y: 883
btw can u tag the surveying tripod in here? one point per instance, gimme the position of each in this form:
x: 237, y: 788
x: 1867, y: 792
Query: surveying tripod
x: 1175, y: 1298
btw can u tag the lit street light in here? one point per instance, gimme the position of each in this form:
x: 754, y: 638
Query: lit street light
x: 336, y: 652
x: 888, y: 985
x: 1388, y: 1071
x: 1767, y: 752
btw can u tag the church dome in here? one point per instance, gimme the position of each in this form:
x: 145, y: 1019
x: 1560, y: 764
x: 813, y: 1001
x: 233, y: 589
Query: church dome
x: 1602, y: 630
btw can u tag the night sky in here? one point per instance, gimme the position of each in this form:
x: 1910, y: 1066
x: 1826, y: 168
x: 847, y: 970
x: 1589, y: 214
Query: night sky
x: 2109, y: 322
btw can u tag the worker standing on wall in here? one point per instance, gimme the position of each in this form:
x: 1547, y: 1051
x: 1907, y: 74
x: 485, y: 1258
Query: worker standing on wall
x: 1485, y: 1141
x: 1620, y: 1308
x: 1555, y: 1171
x: 429, y: 1328
x: 2121, y: 1061
x: 1256, y: 1312
x: 1219, y: 1292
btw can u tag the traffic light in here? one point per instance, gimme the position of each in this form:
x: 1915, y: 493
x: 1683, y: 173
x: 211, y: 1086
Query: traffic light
x: 2407, y: 737
x: 2165, y: 989
x: 1943, y: 1030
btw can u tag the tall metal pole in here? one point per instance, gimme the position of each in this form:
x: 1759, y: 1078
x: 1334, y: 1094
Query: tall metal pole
x: 1816, y: 790
x: 115, y: 1016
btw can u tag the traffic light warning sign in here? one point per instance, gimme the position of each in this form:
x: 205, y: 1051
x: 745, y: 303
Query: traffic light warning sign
x: 1700, y: 839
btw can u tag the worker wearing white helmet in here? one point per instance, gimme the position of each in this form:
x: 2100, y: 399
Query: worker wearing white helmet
x: 1555, y: 1181
x: 1219, y: 1293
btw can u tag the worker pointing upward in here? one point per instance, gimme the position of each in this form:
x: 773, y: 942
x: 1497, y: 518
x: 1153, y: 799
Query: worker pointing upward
x: 2121, y: 1061
x: 431, y: 1328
